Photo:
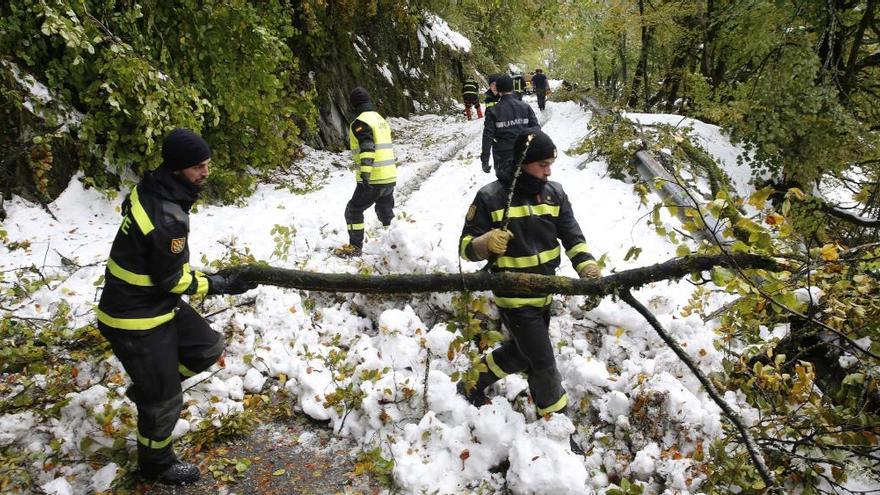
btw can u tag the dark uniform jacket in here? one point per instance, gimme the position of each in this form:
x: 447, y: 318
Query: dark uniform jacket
x: 470, y: 91
x: 490, y: 98
x: 504, y: 121
x: 539, y: 81
x: 540, y: 213
x: 148, y: 269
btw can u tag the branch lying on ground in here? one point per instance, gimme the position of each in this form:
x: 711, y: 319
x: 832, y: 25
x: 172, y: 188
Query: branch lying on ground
x: 850, y: 217
x: 751, y: 445
x: 525, y: 283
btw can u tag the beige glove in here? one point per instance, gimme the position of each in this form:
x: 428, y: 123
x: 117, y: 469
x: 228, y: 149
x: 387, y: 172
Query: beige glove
x: 494, y: 241
x: 590, y: 270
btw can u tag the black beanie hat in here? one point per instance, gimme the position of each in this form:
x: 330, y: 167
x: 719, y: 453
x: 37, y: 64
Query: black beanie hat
x: 540, y: 148
x: 493, y: 78
x: 183, y: 148
x: 504, y: 84
x: 358, y: 97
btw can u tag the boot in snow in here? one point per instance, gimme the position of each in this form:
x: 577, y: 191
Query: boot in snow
x: 178, y: 473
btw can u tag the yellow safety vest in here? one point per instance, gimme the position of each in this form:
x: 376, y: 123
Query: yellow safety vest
x: 384, y: 167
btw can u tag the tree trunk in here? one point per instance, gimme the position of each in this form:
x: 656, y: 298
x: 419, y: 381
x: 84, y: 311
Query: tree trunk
x: 641, y: 77
x: 525, y: 283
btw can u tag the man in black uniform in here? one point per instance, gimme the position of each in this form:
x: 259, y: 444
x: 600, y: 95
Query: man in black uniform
x: 539, y: 82
x: 470, y: 94
x: 158, y: 338
x: 539, y: 214
x: 503, y: 123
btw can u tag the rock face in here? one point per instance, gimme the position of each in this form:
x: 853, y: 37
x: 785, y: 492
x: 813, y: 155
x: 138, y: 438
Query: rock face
x: 404, y: 72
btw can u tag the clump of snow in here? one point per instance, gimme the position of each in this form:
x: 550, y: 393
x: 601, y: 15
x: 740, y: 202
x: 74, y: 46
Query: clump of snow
x: 437, y: 30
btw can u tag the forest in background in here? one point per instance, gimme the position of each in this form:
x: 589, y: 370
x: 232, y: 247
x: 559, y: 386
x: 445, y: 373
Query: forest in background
x: 795, y: 82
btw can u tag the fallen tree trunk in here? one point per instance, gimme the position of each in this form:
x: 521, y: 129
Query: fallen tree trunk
x: 410, y: 283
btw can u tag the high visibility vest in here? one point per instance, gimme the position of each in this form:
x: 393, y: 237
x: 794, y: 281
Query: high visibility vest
x: 384, y: 167
x: 470, y: 88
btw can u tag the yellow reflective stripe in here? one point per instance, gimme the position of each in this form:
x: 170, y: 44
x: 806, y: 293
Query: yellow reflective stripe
x: 519, y: 302
x: 378, y: 182
x: 493, y: 366
x: 526, y: 211
x: 153, y: 444
x: 184, y: 371
x: 583, y: 264
x: 368, y: 154
x: 556, y: 406
x: 528, y: 261
x: 134, y: 323
x: 185, y: 281
x: 464, y: 244
x: 127, y: 276
x: 580, y: 247
x: 202, y: 281
x: 139, y: 213
x: 355, y: 226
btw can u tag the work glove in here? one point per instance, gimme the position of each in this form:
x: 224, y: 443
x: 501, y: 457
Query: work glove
x: 590, y: 270
x: 495, y: 242
x: 229, y: 283
x: 486, y: 167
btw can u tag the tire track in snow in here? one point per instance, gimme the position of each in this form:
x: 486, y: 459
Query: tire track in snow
x: 403, y: 193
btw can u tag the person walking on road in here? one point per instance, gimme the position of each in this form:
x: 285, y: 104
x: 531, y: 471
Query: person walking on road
x: 540, y: 85
x: 159, y: 338
x: 540, y: 215
x: 369, y: 136
x: 471, y: 96
x: 502, y: 124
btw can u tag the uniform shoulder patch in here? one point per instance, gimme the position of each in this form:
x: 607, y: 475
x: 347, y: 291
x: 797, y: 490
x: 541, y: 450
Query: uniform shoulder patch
x: 472, y: 212
x: 178, y: 244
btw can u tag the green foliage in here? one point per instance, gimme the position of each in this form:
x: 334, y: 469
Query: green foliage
x: 371, y: 461
x: 627, y: 488
x: 229, y: 469
x: 136, y: 71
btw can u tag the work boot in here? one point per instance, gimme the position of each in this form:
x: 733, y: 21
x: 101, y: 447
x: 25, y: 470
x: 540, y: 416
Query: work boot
x: 178, y: 473
x: 477, y: 396
x: 347, y: 251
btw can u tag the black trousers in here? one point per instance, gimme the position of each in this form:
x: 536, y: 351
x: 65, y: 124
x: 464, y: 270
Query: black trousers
x: 157, y: 361
x: 364, y: 197
x: 542, y: 97
x: 529, y: 350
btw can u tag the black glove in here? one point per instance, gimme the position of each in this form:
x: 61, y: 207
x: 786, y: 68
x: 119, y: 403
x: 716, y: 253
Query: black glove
x: 365, y: 179
x: 229, y: 283
x: 486, y: 167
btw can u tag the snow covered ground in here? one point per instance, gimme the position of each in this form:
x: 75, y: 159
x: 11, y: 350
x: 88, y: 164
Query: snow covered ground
x: 642, y: 415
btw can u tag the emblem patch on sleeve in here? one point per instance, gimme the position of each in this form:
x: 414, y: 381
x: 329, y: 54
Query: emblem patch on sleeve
x: 178, y: 244
x: 472, y: 212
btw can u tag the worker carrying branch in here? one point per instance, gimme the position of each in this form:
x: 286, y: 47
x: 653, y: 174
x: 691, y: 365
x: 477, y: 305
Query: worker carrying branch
x: 159, y: 338
x: 539, y: 215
